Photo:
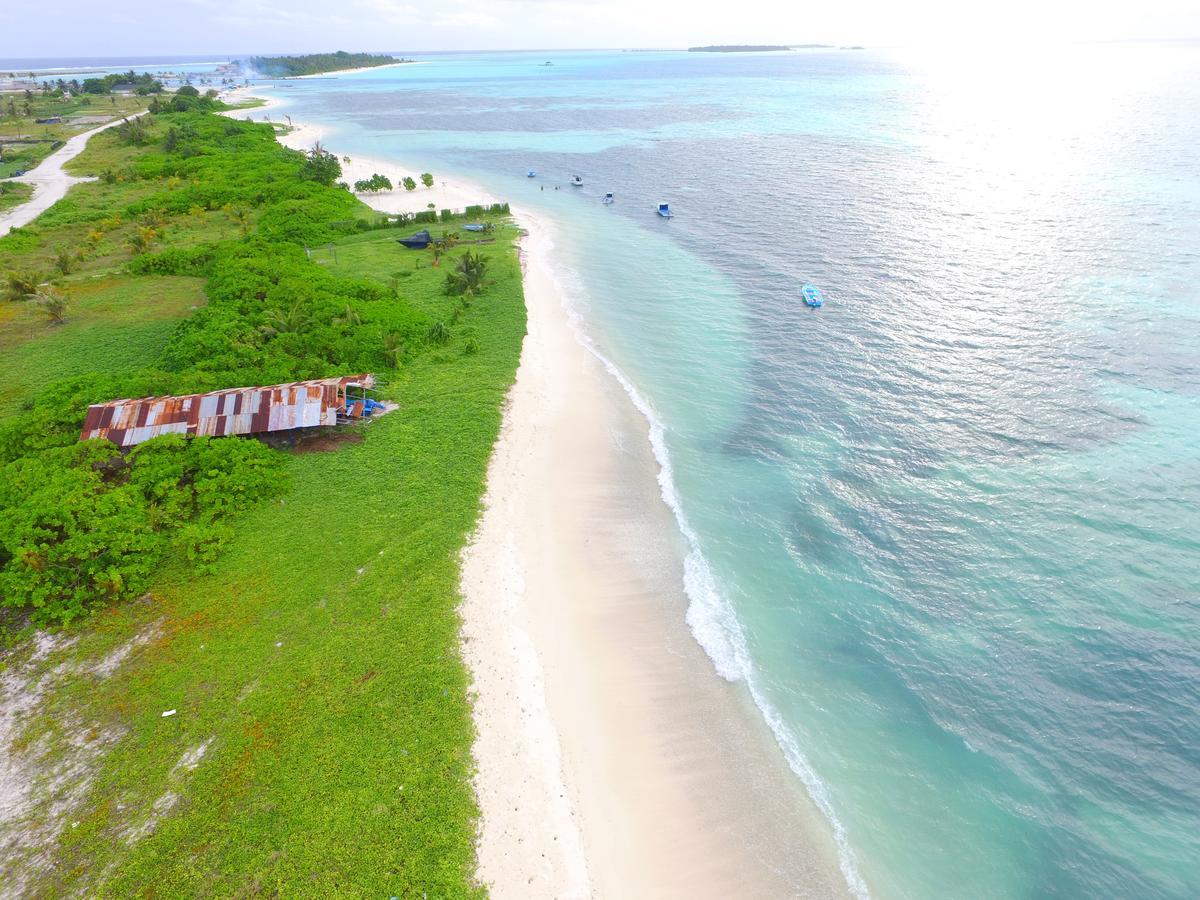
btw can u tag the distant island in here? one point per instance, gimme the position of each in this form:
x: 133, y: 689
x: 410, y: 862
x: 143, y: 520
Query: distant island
x: 319, y: 63
x: 736, y: 48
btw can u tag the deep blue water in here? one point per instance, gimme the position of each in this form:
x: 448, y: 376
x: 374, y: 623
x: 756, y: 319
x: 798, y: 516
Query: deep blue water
x: 947, y: 528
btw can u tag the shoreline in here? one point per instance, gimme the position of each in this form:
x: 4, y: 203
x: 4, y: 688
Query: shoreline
x: 612, y: 759
x: 405, y: 62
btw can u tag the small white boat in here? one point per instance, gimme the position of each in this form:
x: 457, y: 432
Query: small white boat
x: 664, y: 210
x: 576, y: 181
x: 608, y: 199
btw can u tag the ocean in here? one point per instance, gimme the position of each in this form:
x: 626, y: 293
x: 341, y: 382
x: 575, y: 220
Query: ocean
x: 947, y: 527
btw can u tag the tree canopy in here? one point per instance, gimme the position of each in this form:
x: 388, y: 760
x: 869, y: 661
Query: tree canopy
x: 316, y: 63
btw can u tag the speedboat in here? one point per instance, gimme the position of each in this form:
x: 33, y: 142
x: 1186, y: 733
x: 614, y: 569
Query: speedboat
x: 608, y: 199
x: 664, y: 210
x: 576, y: 181
x: 812, y: 295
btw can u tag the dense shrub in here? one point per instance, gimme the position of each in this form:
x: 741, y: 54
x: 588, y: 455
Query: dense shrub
x: 82, y: 524
x: 174, y: 261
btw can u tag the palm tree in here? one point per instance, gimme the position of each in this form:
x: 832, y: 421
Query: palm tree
x: 296, y: 318
x: 471, y: 272
x: 53, y: 303
x: 349, y: 317
x: 22, y: 285
x: 393, y: 348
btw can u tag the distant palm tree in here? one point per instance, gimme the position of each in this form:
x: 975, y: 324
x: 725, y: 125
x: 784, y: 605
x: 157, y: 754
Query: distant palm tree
x: 295, y: 319
x: 53, y: 303
x: 349, y: 317
x: 393, y: 348
x: 22, y: 285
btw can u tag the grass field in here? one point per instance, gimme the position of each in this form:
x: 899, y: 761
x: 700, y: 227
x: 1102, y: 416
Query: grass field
x: 321, y: 741
x: 14, y: 193
x: 25, y: 143
x: 113, y: 325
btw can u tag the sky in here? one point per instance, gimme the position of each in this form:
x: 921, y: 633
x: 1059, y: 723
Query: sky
x: 240, y: 27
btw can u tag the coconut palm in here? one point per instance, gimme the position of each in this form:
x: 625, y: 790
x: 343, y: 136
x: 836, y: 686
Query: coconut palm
x: 295, y: 319
x: 53, y: 303
x: 393, y: 348
x: 349, y: 317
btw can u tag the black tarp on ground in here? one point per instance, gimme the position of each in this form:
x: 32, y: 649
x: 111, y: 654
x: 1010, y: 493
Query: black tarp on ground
x: 418, y: 241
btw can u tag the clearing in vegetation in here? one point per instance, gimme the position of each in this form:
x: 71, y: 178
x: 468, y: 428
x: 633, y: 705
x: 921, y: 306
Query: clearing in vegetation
x: 35, y: 123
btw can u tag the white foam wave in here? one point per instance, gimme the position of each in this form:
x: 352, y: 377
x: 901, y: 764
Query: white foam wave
x: 709, y: 615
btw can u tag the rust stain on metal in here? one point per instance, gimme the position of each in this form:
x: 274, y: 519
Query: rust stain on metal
x: 250, y: 410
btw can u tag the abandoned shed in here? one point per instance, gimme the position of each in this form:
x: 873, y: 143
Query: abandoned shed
x: 250, y: 410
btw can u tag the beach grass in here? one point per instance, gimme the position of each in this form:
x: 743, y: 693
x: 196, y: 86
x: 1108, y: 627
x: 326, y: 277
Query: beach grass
x: 320, y: 744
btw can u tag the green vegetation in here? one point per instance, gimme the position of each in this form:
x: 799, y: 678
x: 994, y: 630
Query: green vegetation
x: 143, y: 83
x: 321, y: 740
x: 14, y: 193
x: 33, y: 124
x: 316, y: 63
x: 370, y: 185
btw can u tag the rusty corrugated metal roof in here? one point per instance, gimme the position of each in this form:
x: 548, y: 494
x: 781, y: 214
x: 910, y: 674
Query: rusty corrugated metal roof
x: 250, y: 410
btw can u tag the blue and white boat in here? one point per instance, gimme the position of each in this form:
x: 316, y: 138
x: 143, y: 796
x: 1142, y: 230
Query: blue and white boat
x: 812, y: 296
x: 608, y: 199
x: 664, y: 210
x: 530, y: 173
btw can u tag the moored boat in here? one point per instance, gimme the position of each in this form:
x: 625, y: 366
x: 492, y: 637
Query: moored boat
x: 530, y: 173
x: 812, y: 295
x: 577, y: 181
x: 664, y: 210
x: 608, y: 198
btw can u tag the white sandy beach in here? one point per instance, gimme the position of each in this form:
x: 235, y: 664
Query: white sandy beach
x: 612, y: 760
x: 445, y: 193
x: 661, y: 772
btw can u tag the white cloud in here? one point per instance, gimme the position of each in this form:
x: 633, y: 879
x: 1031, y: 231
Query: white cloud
x: 242, y: 26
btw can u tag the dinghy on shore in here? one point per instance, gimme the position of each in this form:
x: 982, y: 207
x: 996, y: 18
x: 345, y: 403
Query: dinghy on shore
x: 812, y: 296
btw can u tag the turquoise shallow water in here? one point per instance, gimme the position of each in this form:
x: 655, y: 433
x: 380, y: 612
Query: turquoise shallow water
x: 948, y: 527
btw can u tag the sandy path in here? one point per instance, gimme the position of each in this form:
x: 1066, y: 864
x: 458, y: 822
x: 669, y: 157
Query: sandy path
x: 50, y: 182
